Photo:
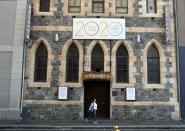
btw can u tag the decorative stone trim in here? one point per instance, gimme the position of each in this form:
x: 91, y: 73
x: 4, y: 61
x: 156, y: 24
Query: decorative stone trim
x: 128, y: 29
x: 132, y: 69
x: 31, y: 65
x: 162, y: 65
x: 106, y: 56
x: 142, y: 103
x: 36, y: 6
x: 62, y: 78
x: 50, y: 102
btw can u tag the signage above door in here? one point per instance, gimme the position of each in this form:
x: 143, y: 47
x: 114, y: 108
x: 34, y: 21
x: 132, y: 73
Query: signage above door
x: 96, y: 76
x: 102, y: 28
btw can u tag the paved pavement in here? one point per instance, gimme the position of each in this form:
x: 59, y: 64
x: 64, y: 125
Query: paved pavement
x: 82, y: 125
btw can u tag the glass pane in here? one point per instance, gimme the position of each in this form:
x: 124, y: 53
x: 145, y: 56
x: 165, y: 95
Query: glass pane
x: 74, y: 2
x: 122, y: 65
x: 153, y: 52
x: 78, y: 3
x: 97, y: 59
x: 44, y: 6
x: 72, y: 64
x: 118, y: 3
x: 71, y: 3
x: 153, y: 65
x: 41, y: 58
x: 121, y: 6
x: 151, y: 6
x: 74, y: 9
x: 121, y: 10
x: 98, y: 6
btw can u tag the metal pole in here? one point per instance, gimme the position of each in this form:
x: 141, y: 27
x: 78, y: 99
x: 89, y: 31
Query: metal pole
x: 24, y: 62
x: 177, y: 54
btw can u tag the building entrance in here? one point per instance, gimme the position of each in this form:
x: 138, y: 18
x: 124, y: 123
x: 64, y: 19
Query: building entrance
x: 101, y: 91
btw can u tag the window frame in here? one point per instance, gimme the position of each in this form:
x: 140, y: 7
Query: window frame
x: 39, y: 68
x: 126, y: 57
x: 70, y: 62
x: 98, y: 2
x: 155, y: 7
x: 156, y: 69
x: 121, y: 7
x: 97, y: 62
x: 40, y: 7
x: 74, y: 7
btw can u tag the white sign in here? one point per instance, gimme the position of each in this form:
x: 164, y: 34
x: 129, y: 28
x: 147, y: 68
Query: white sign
x: 130, y: 94
x: 62, y: 93
x: 94, y: 28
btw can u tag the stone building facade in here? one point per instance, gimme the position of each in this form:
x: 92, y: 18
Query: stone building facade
x: 12, y: 24
x: 146, y: 30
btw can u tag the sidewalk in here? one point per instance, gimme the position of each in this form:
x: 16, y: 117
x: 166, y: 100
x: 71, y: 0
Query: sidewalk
x: 100, y: 123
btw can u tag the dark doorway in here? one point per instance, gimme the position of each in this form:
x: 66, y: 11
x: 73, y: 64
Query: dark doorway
x: 101, y: 91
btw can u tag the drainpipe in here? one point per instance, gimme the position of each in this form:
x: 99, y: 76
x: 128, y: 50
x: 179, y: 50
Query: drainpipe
x: 177, y: 55
x: 26, y: 41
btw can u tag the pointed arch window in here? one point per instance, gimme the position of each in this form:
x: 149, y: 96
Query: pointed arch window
x: 41, y: 60
x: 97, y: 59
x: 153, y: 65
x: 122, y: 64
x: 72, y: 64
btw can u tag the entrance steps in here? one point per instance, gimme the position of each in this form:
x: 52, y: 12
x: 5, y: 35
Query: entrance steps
x: 100, y: 126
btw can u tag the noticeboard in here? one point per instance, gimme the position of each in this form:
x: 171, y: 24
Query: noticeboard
x: 130, y: 94
x: 62, y: 93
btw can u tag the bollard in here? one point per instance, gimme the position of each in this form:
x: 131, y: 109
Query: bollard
x: 116, y: 128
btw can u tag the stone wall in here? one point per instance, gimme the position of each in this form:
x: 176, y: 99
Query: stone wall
x: 153, y: 101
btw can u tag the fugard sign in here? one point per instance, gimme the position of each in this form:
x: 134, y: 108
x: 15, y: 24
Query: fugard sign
x: 93, y: 28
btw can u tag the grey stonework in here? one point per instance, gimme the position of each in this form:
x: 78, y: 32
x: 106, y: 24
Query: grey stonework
x: 55, y: 112
x: 142, y: 112
x: 51, y: 93
x: 161, y: 95
x: 67, y: 21
x: 72, y: 112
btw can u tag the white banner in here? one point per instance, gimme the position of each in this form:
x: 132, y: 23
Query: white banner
x: 94, y: 28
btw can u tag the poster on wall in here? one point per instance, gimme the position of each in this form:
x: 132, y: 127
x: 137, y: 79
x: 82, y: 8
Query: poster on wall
x: 62, y: 93
x: 99, y: 28
x: 130, y: 94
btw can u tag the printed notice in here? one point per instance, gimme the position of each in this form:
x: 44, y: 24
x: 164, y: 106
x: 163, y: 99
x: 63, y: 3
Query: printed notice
x: 130, y: 94
x: 62, y: 93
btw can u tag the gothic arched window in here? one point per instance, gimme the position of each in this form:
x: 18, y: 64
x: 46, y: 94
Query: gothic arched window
x: 122, y: 64
x: 41, y: 60
x: 97, y: 59
x: 153, y: 65
x: 72, y: 64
